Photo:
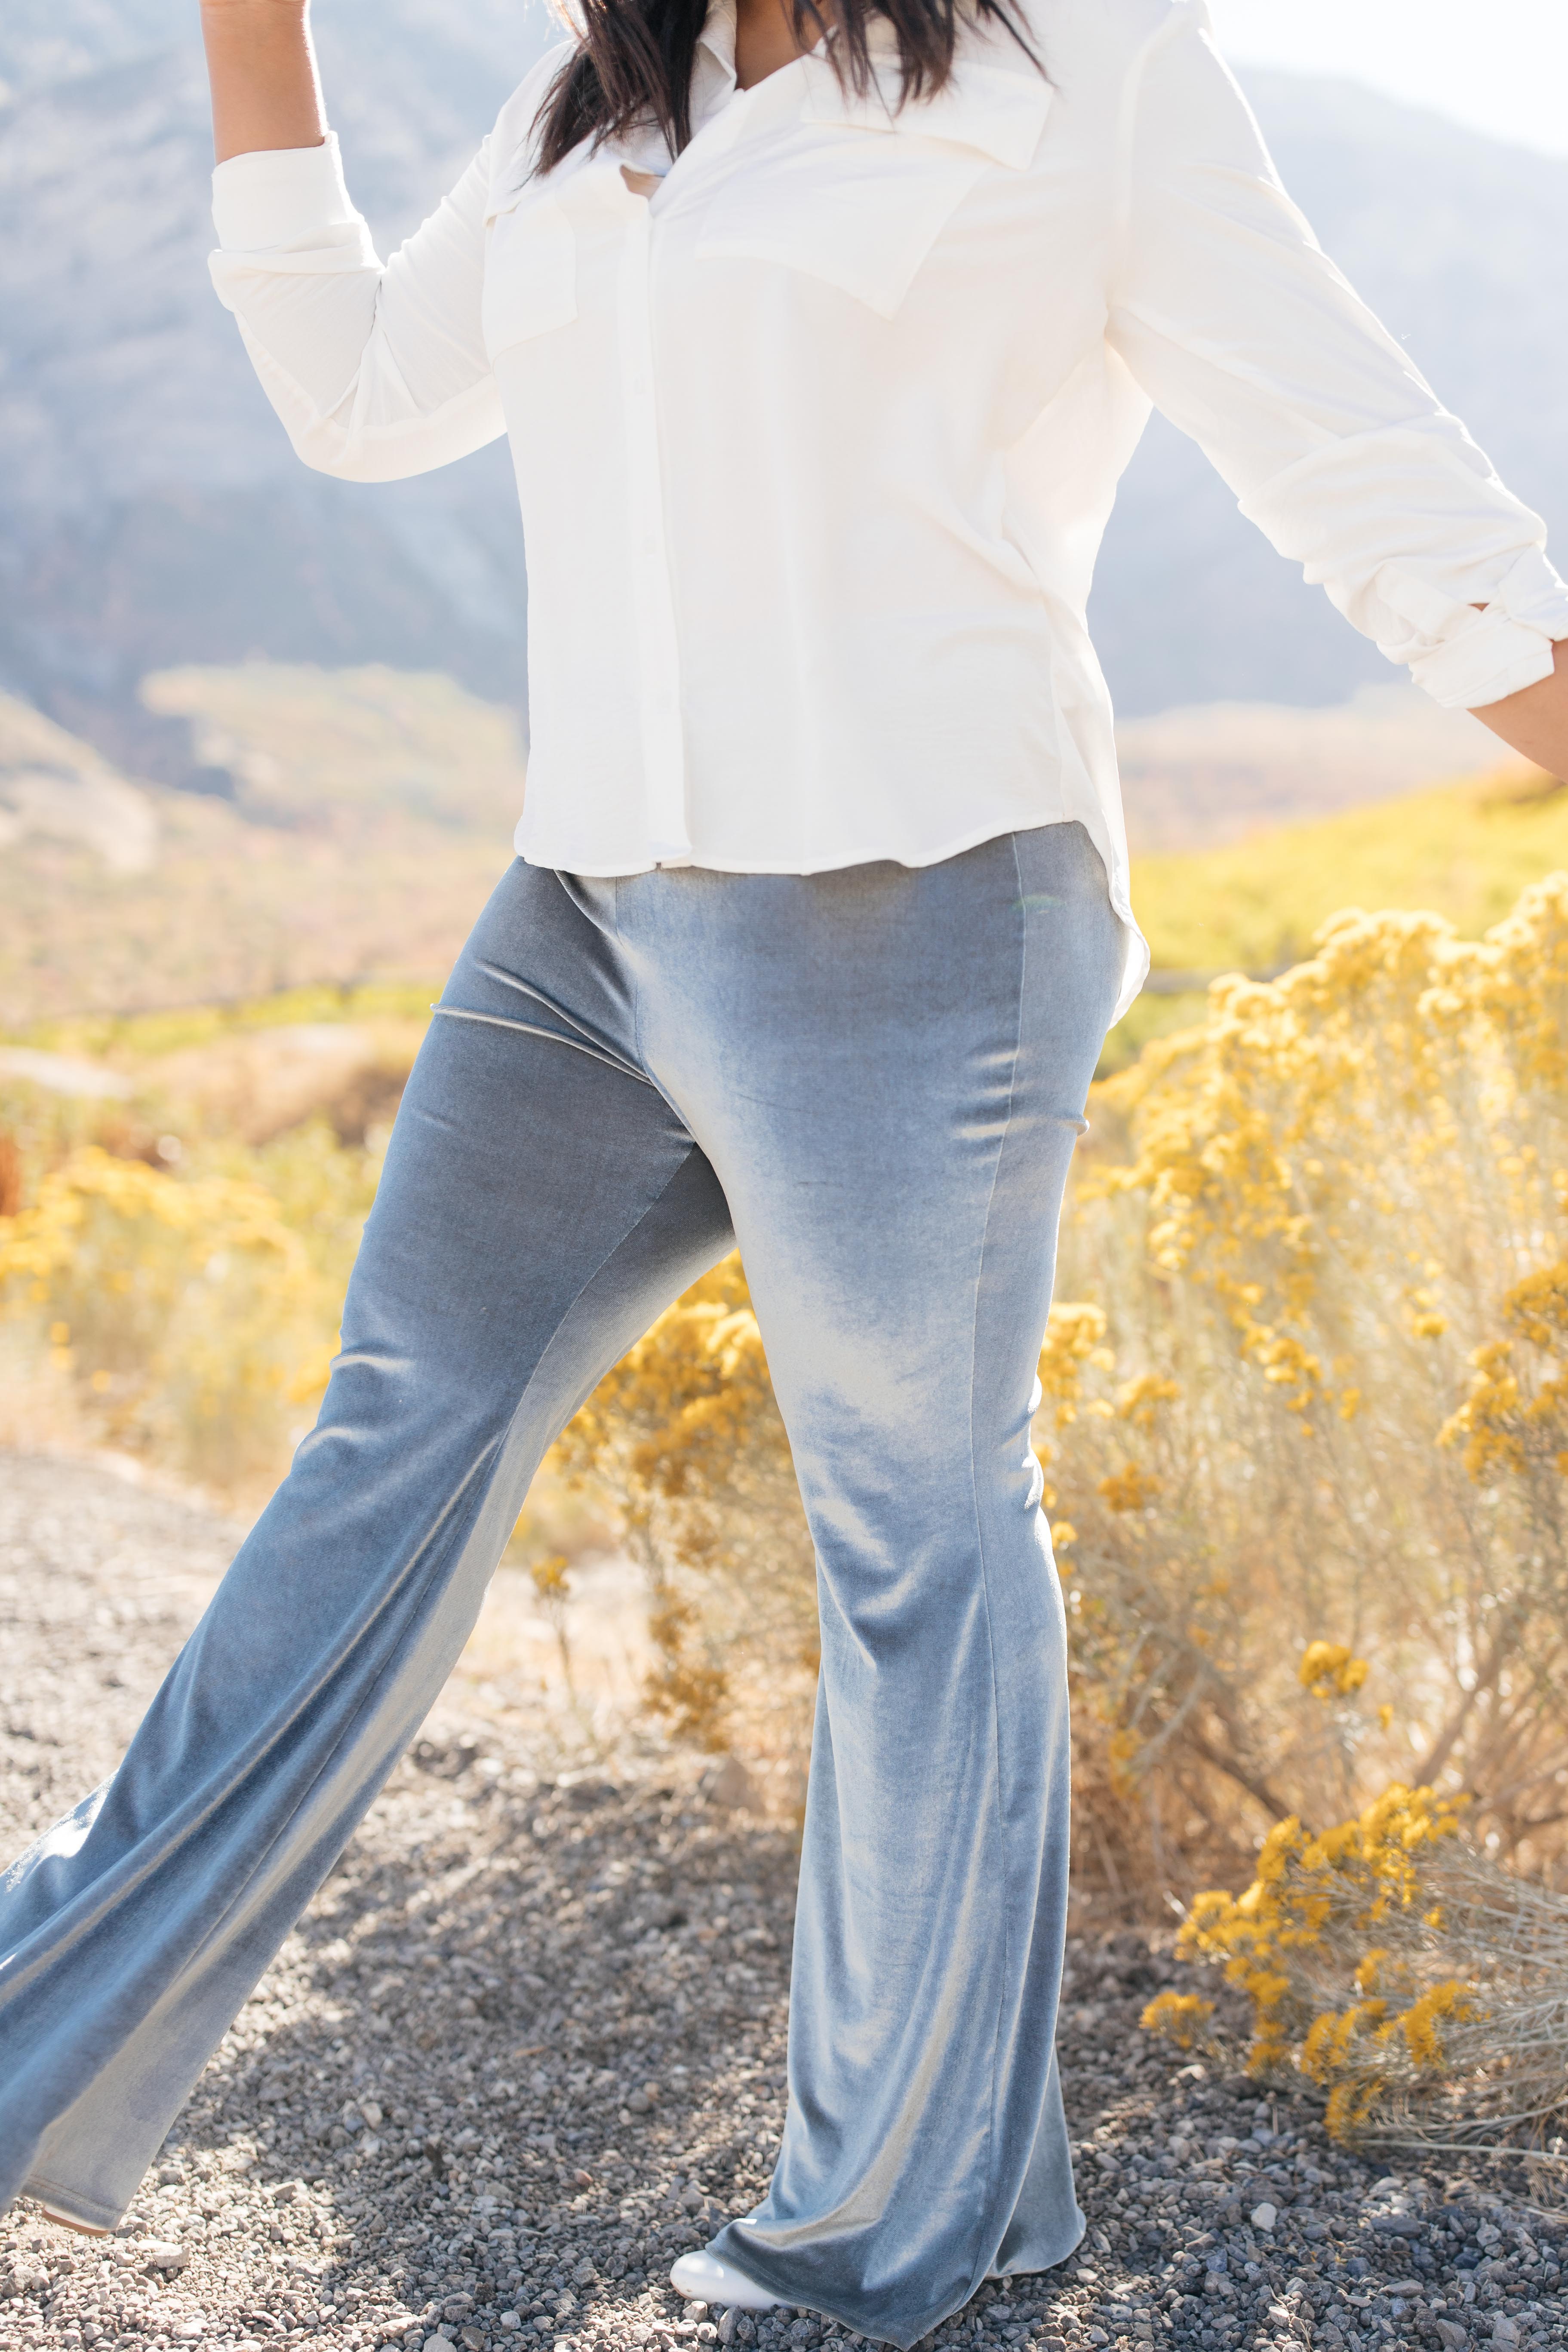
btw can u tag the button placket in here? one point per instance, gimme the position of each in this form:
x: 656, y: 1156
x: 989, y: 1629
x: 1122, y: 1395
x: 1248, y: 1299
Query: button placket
x: 659, y: 648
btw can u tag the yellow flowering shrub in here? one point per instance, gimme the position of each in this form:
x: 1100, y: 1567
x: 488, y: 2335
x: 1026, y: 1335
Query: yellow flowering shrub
x: 1398, y: 1967
x: 686, y: 1439
x: 190, y: 1312
x: 1318, y: 1413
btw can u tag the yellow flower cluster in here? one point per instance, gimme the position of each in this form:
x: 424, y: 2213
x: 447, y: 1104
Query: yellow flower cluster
x: 1179, y: 2017
x: 1131, y: 1489
x: 1348, y: 2052
x: 1074, y: 1340
x: 1330, y: 1668
x: 40, y: 1243
x: 1514, y: 1420
x: 1304, y: 1921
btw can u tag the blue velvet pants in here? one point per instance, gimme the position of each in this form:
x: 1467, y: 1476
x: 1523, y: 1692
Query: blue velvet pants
x: 873, y: 1080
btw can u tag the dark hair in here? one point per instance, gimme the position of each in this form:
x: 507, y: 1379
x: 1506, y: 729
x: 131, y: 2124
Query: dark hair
x: 634, y: 60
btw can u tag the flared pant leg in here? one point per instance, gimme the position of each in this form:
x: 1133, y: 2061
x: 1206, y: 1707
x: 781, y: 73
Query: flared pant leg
x: 893, y: 1137
x: 541, y: 1204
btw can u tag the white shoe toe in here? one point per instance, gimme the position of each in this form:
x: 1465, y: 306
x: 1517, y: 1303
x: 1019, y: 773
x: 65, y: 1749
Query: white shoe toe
x: 705, y: 2279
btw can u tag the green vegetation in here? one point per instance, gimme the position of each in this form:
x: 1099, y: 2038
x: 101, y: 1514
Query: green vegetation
x: 1463, y: 850
x: 131, y: 1038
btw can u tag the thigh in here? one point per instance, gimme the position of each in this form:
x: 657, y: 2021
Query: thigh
x: 539, y: 1206
x: 887, y: 1069
x: 528, y: 1145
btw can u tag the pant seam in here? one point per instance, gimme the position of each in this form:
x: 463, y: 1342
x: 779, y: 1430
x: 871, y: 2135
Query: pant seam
x: 977, y: 2273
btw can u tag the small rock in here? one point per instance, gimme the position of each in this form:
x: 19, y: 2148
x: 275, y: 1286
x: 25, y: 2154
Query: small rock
x: 1263, y: 2217
x: 1450, y: 2334
x: 163, y: 2256
x: 1505, y: 2330
x: 439, y: 2343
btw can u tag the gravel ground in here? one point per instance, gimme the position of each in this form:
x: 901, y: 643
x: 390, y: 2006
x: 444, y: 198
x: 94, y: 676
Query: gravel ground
x: 528, y: 2046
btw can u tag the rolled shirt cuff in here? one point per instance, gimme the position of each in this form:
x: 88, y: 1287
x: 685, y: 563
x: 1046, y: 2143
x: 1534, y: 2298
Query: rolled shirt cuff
x: 279, y: 195
x: 1503, y: 648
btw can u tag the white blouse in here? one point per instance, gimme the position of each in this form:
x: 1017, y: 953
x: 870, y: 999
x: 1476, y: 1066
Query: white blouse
x: 816, y: 444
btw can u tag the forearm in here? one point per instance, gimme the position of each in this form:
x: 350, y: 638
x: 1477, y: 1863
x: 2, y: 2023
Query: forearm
x: 262, y: 68
x: 1535, y: 719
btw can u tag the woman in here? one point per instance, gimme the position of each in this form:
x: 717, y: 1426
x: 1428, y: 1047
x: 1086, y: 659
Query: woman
x: 821, y: 351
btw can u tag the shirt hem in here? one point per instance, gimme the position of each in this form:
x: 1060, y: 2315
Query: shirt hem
x: 992, y: 829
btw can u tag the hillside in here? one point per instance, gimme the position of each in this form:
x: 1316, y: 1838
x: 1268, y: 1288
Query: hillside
x: 349, y: 826
x: 1463, y: 850
x: 151, y: 509
x: 345, y: 826
x: 1220, y: 771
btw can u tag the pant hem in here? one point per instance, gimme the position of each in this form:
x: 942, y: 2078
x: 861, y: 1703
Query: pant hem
x: 68, y: 2204
x: 1032, y: 2270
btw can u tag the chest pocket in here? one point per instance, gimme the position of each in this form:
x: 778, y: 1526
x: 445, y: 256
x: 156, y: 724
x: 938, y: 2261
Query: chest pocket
x: 530, y: 271
x: 858, y: 190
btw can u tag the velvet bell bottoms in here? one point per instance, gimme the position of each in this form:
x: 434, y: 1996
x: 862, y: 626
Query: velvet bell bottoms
x: 872, y: 1079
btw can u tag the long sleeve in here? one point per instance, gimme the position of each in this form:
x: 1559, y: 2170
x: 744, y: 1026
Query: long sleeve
x: 377, y: 370
x: 1243, y: 334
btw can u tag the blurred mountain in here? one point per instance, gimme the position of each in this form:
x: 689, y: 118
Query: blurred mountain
x: 152, y: 513
x: 1211, y: 772
x: 151, y: 509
